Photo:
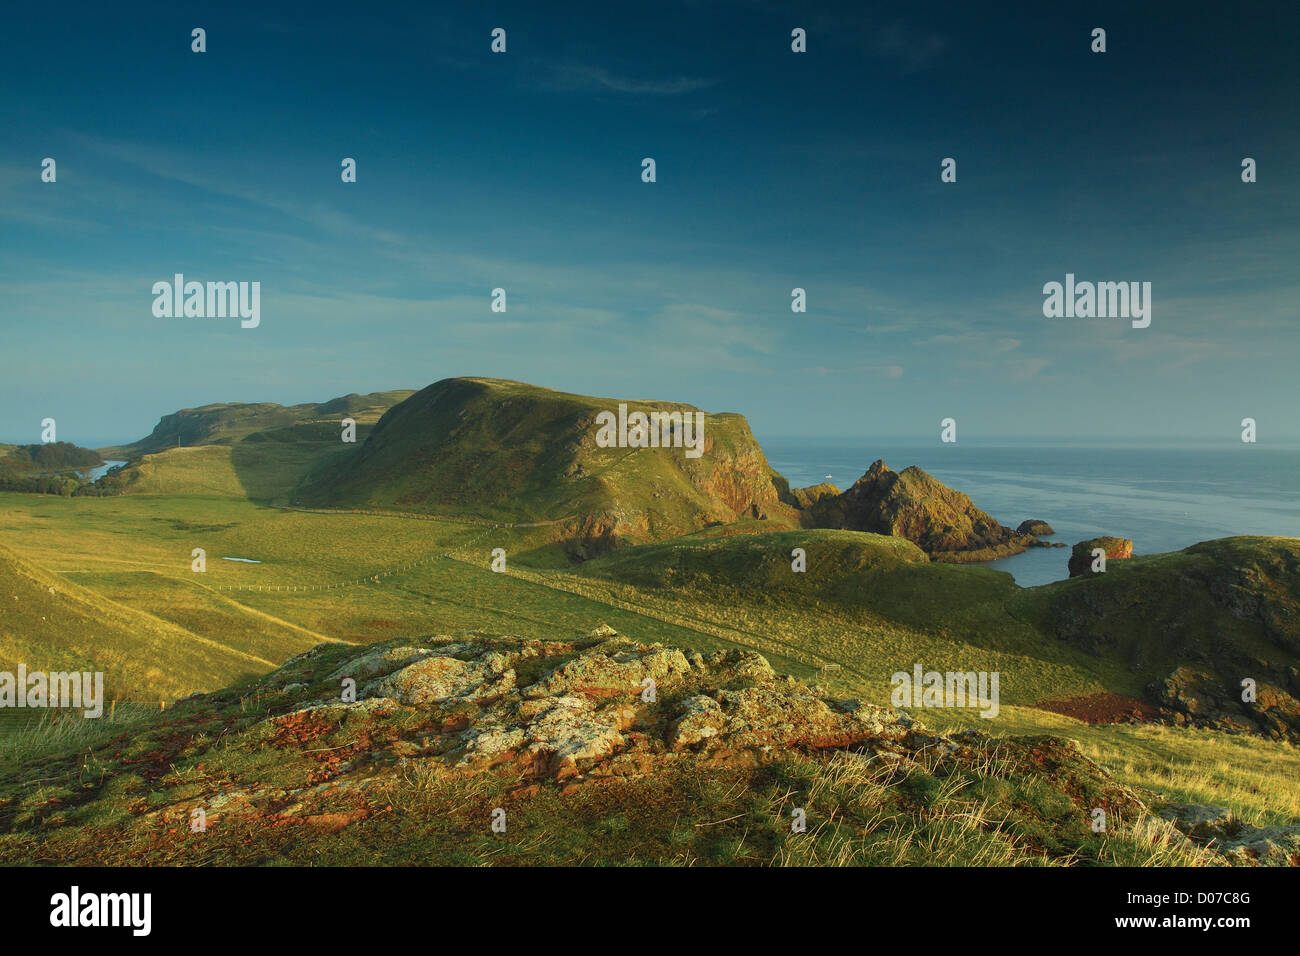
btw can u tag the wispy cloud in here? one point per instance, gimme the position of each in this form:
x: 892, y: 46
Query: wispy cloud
x: 914, y: 50
x: 869, y: 371
x: 577, y: 77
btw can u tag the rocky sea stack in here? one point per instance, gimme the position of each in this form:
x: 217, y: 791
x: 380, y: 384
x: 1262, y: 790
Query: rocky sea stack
x: 1034, y: 526
x: 914, y: 505
x: 1081, y: 557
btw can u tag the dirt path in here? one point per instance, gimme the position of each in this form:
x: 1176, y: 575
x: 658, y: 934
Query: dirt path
x: 320, y: 638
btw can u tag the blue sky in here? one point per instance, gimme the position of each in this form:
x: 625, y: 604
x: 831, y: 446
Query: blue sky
x: 775, y: 170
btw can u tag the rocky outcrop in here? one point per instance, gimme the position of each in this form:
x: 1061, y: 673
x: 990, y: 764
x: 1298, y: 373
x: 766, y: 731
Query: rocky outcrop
x: 814, y: 494
x: 1081, y: 557
x: 430, y: 742
x: 1217, y: 829
x: 1034, y: 526
x: 1194, y: 696
x: 599, y: 704
x: 913, y: 505
x: 601, y: 707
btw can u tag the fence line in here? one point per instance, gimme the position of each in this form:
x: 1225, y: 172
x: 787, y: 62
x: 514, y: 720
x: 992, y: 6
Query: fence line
x: 376, y: 577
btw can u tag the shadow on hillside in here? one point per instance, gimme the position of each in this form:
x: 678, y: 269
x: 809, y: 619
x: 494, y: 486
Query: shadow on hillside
x: 269, y: 469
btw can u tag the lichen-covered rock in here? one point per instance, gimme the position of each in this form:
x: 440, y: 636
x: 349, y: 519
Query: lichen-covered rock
x: 1198, y: 822
x: 478, y: 723
x: 1263, y: 846
x: 782, y: 714
x: 381, y: 661
x: 608, y: 674
x: 439, y: 678
x: 488, y: 742
x: 699, y: 718
x: 589, y: 710
x: 569, y: 732
x: 1216, y: 829
x: 738, y: 663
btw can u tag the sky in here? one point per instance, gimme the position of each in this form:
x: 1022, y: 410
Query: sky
x: 775, y: 170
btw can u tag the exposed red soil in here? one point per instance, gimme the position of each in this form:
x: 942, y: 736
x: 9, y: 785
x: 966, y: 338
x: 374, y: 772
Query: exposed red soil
x: 298, y: 730
x: 1103, y: 707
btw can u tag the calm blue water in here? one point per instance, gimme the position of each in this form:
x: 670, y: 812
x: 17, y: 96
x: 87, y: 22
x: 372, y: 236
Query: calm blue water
x: 1164, y: 498
x: 100, y: 471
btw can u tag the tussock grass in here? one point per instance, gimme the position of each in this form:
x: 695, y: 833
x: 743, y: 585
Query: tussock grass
x: 1253, y: 777
x: 50, y: 734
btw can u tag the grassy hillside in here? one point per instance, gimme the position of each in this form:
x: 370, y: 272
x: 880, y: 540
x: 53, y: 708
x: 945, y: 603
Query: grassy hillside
x: 227, y: 423
x: 510, y: 452
x: 51, y: 623
x: 354, y: 577
x: 857, y: 575
x: 365, y: 578
x: 870, y: 604
x: 264, y: 467
x: 1208, y: 616
x: 401, y: 544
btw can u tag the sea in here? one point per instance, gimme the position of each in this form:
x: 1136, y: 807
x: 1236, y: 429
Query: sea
x: 1164, y: 497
